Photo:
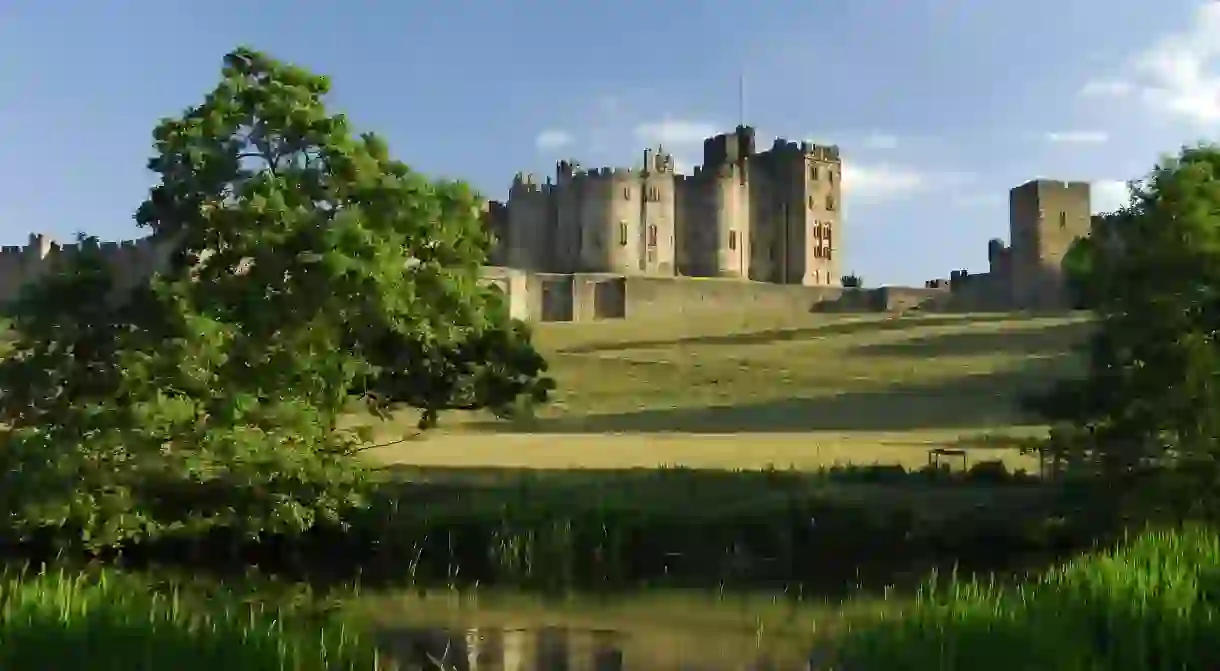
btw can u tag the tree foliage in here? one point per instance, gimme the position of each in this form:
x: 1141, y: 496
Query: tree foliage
x: 1083, y: 265
x: 1151, y: 396
x: 302, y: 265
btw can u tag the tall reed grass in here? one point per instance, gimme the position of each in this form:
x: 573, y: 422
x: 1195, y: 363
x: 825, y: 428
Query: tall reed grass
x: 1149, y: 605
x: 114, y: 621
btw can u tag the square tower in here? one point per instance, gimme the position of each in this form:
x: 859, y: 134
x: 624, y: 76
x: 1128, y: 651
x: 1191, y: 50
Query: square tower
x: 1044, y: 218
x: 824, y: 205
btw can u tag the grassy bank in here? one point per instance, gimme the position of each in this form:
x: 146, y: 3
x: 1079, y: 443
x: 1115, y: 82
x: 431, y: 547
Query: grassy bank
x: 680, y: 527
x: 1148, y: 605
x: 111, y: 621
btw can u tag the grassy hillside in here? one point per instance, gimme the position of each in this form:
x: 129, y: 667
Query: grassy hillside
x: 800, y: 390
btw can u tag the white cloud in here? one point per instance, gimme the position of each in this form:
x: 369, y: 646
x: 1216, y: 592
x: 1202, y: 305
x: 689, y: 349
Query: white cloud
x: 1177, y: 75
x: 1108, y: 195
x: 552, y: 139
x: 675, y: 132
x: 1078, y: 137
x: 873, y: 183
x: 880, y: 141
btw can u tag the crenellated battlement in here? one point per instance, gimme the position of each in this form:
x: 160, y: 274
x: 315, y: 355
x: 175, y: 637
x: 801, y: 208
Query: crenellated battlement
x: 1056, y: 185
x: 25, y: 263
x: 805, y: 149
x: 525, y: 182
x: 607, y: 174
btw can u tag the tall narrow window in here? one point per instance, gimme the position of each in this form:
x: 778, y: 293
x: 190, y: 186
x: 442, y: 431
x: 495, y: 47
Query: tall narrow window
x: 626, y: 193
x: 830, y: 175
x: 732, y: 239
x: 652, y: 235
x: 1063, y: 220
x: 830, y: 203
x: 622, y: 233
x: 813, y: 172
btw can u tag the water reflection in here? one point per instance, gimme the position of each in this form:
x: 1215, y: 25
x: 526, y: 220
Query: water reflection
x: 546, y: 649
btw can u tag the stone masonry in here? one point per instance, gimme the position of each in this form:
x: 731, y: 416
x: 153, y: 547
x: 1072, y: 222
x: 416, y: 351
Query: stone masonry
x: 650, y: 244
x: 771, y: 216
x: 1044, y: 218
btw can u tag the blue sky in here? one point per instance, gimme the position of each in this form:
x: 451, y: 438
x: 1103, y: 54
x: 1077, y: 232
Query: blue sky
x: 939, y: 105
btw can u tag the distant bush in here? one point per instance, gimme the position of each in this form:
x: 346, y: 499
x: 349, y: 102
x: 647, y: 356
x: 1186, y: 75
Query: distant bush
x: 992, y: 470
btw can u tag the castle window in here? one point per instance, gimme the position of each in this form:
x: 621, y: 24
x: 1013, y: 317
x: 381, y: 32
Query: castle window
x: 813, y: 172
x: 732, y: 239
x: 652, y: 235
x: 830, y: 203
x: 830, y: 175
x: 622, y: 233
x: 1063, y: 220
x: 811, y: 202
x: 626, y: 193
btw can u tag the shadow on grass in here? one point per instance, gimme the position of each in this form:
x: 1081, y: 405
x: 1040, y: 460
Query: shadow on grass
x: 964, y: 402
x: 781, y: 335
x: 1053, y: 340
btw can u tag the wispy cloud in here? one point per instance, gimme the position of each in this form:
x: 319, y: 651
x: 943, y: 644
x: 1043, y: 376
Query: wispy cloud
x: 1109, y: 88
x: 1177, y: 74
x: 1078, y: 137
x: 675, y: 132
x: 552, y: 139
x: 871, y: 183
x: 880, y: 141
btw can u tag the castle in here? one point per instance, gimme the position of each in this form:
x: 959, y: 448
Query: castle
x: 746, y: 231
x: 770, y: 216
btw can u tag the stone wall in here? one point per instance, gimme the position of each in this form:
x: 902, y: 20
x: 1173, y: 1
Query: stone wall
x: 585, y: 297
x: 671, y: 297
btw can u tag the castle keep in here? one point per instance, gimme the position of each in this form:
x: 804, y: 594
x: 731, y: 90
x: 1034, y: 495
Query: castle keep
x: 770, y: 216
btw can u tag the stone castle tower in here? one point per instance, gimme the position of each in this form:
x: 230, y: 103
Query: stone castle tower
x: 771, y: 216
x: 1045, y: 217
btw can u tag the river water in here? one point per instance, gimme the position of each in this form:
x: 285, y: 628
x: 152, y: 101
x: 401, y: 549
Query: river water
x: 660, y: 630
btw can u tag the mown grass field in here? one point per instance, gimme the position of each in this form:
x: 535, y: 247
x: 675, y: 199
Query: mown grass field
x: 788, y: 391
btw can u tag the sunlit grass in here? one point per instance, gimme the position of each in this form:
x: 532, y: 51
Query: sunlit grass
x: 1148, y: 605
x: 110, y: 620
x: 801, y: 391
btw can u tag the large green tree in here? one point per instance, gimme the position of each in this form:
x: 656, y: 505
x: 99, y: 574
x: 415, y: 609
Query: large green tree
x: 304, y: 265
x: 1151, y: 396
x: 1083, y: 265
